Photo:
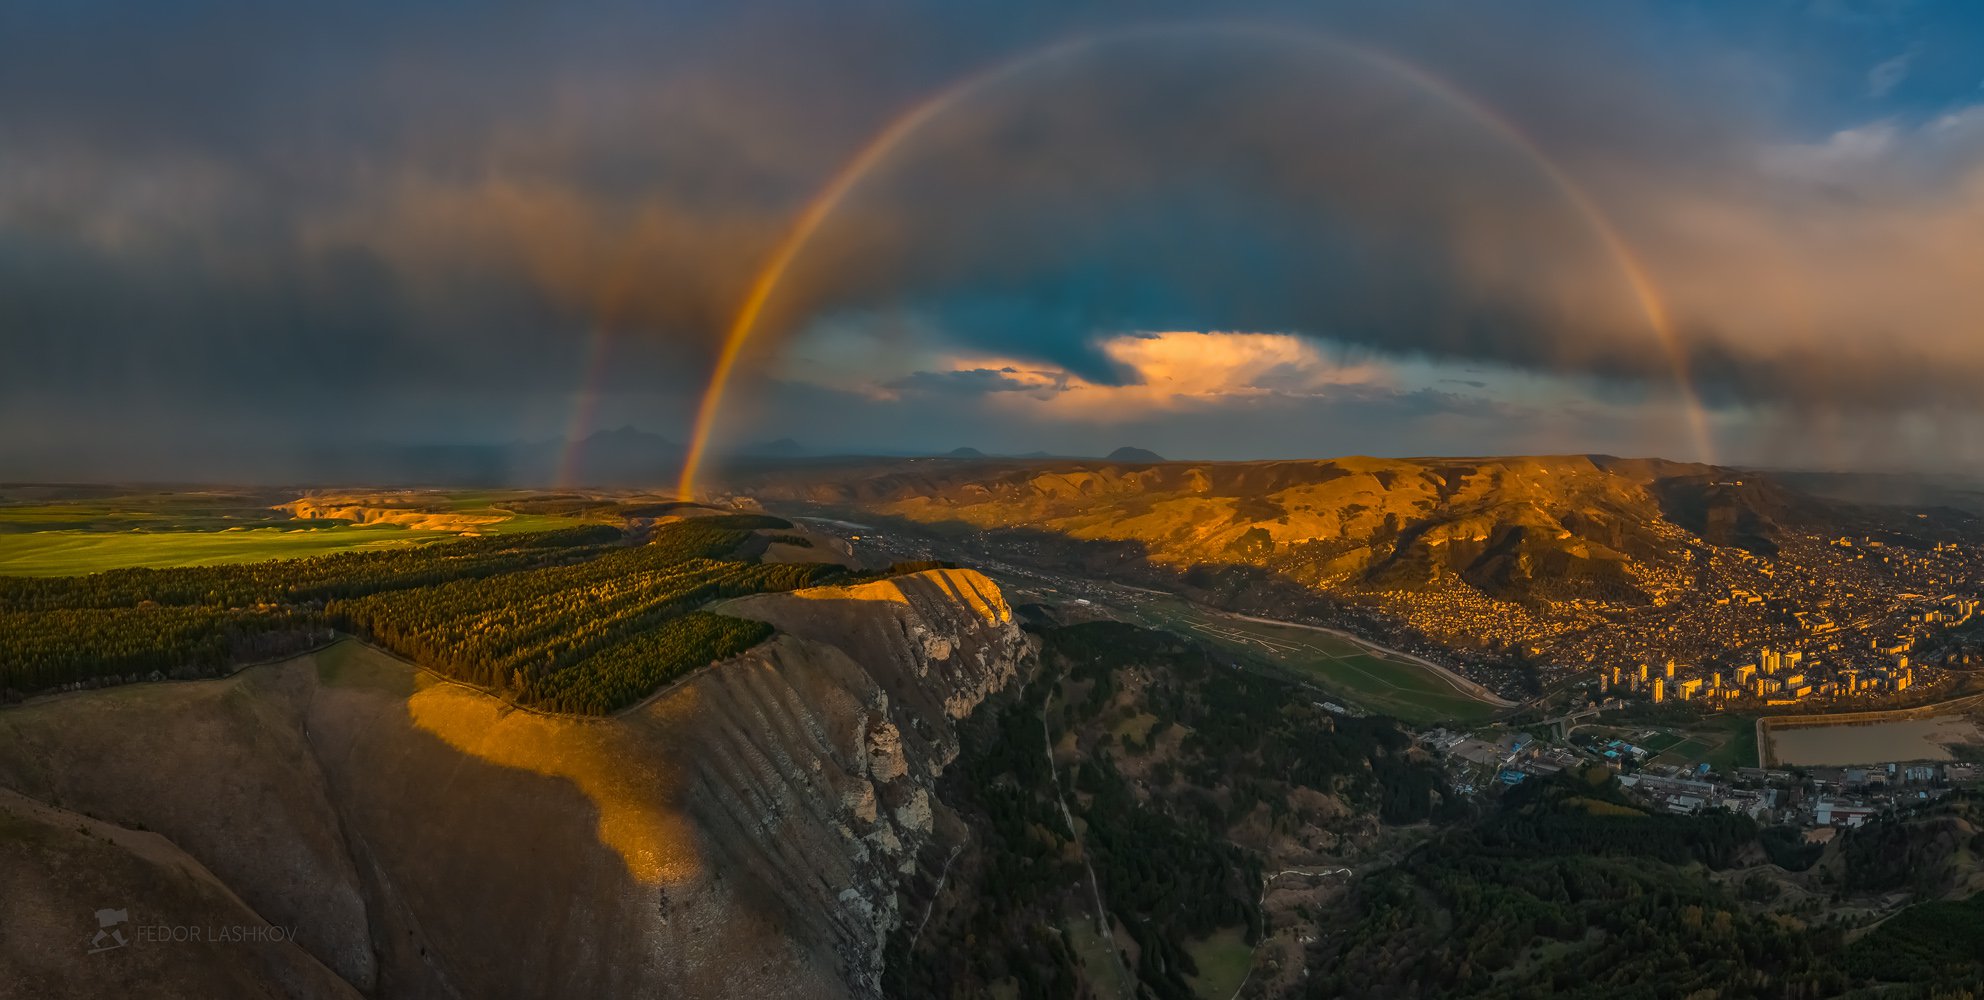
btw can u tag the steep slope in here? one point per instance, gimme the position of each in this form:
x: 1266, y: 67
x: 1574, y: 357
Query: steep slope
x: 741, y: 833
x: 96, y: 910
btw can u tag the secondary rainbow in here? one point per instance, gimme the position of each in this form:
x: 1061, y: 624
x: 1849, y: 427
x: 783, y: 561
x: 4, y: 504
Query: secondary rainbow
x: 878, y: 148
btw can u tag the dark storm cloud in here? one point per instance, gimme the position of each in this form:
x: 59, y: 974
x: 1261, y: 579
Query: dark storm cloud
x: 414, y: 219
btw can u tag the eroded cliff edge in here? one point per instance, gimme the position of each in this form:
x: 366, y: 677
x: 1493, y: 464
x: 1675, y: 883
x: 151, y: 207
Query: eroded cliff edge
x: 745, y: 832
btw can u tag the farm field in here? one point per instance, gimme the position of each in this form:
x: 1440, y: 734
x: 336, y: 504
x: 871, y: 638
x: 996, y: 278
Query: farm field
x: 49, y: 531
x: 70, y: 553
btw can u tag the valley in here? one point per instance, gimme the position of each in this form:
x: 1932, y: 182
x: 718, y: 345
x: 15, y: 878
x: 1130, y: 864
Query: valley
x: 1568, y: 576
x: 887, y: 756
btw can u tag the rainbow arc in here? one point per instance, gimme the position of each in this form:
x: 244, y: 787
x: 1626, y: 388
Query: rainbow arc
x: 819, y: 209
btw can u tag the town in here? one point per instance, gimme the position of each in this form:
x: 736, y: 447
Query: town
x: 1817, y: 799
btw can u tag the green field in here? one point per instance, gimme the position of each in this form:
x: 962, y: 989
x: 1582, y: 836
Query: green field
x: 1723, y: 742
x: 57, y: 531
x: 1223, y: 960
x: 1396, y: 687
x: 30, y: 509
x: 1660, y: 742
x: 70, y: 553
x: 1739, y: 745
x: 1099, y: 964
x: 1690, y: 751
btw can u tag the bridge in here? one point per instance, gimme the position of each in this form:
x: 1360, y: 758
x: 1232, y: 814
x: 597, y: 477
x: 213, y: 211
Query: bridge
x: 1561, y: 726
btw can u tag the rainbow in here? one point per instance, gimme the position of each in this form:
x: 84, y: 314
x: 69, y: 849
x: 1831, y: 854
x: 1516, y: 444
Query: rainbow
x: 884, y: 143
x: 583, y: 407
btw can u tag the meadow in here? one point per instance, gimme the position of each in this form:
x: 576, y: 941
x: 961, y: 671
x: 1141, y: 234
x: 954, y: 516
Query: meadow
x: 57, y: 531
x: 1388, y: 685
x: 70, y: 553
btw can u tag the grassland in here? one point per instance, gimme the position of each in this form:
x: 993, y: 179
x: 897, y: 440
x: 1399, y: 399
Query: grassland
x: 70, y: 553
x: 1392, y: 686
x: 1099, y: 964
x: 67, y: 531
x: 1223, y: 960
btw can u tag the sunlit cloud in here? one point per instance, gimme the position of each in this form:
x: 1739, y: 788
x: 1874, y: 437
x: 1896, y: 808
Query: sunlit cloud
x: 1167, y: 371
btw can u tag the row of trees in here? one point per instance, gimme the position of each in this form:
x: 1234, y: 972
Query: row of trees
x: 573, y: 620
x: 627, y: 671
x: 526, y: 632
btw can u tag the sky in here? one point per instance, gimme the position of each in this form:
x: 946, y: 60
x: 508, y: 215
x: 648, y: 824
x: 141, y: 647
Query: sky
x: 234, y: 233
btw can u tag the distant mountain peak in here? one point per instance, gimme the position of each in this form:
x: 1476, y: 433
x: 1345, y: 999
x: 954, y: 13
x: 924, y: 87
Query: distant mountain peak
x: 784, y: 447
x: 964, y: 453
x: 1129, y: 454
x: 627, y: 433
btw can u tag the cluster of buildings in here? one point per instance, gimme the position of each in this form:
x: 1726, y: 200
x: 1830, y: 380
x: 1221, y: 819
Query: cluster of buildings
x: 1817, y: 799
x: 1847, y: 619
x: 1777, y: 677
x: 1507, y: 759
x: 1685, y: 793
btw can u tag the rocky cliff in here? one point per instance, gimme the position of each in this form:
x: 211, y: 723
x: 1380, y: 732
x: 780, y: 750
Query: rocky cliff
x: 743, y: 833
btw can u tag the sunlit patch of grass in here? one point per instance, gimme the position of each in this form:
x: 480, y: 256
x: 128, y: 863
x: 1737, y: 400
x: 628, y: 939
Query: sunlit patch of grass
x: 73, y: 553
x: 1223, y: 960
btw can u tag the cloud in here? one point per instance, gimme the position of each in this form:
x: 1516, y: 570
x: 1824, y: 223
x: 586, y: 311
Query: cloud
x: 1888, y: 74
x: 382, y: 219
x: 1170, y: 371
x: 977, y: 381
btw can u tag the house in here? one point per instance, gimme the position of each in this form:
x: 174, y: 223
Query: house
x: 1840, y: 812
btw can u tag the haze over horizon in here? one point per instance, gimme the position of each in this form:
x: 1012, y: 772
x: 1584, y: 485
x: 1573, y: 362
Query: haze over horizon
x: 233, y: 239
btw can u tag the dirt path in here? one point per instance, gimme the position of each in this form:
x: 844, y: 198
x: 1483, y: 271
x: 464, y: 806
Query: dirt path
x: 934, y: 895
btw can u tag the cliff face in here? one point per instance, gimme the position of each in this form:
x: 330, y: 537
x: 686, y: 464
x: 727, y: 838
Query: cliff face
x: 743, y: 833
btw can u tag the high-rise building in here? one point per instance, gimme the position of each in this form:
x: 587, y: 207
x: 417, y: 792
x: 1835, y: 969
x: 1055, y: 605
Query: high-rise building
x: 1659, y: 690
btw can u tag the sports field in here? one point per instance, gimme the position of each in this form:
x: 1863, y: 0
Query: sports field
x: 1723, y: 742
x: 1370, y: 680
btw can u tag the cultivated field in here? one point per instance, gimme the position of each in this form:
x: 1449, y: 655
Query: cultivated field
x: 69, y: 553
x: 49, y: 531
